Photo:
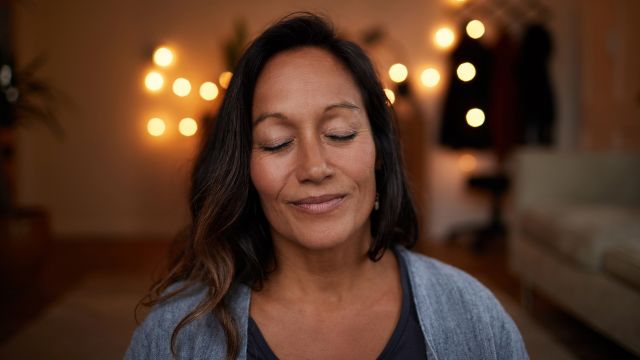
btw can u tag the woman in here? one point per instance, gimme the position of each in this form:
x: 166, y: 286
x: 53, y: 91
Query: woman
x: 301, y: 219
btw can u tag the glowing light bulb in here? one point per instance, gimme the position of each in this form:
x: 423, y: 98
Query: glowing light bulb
x: 430, y: 77
x: 154, y: 81
x: 444, y: 37
x: 225, y: 79
x: 156, y: 127
x: 467, y: 162
x: 181, y: 87
x: 475, y: 117
x: 475, y: 29
x: 390, y: 95
x: 466, y: 71
x: 163, y: 56
x: 208, y: 91
x: 188, y: 127
x: 398, y: 73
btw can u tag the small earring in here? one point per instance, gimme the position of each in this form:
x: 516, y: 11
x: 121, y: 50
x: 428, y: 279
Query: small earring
x: 376, y: 204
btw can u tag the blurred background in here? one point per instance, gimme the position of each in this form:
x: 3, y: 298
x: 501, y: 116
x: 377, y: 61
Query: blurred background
x: 519, y: 121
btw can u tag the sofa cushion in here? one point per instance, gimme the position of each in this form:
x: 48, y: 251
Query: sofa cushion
x: 623, y: 262
x: 581, y: 233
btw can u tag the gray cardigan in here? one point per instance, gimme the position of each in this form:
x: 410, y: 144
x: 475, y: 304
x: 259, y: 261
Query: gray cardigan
x: 459, y: 317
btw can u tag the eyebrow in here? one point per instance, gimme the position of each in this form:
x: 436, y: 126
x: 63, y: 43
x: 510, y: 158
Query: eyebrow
x: 281, y: 116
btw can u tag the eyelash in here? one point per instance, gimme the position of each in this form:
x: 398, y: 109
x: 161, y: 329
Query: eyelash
x: 278, y: 147
x: 282, y: 146
x: 343, y: 137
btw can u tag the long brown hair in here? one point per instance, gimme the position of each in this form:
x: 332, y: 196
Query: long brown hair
x: 229, y: 240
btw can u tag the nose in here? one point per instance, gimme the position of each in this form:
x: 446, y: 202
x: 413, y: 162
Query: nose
x: 313, y: 164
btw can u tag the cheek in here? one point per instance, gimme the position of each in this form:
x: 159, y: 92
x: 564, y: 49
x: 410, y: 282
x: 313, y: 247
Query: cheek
x: 266, y: 177
x: 359, y: 164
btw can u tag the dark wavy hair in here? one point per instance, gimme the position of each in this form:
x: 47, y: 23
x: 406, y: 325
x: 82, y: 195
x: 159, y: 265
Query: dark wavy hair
x: 229, y: 240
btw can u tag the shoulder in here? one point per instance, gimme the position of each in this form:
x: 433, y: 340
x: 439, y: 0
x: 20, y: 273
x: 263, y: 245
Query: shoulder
x: 446, y: 279
x: 441, y: 285
x: 461, y: 310
x: 152, y: 338
x: 172, y: 310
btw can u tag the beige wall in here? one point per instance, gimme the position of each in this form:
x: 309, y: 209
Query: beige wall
x: 109, y: 178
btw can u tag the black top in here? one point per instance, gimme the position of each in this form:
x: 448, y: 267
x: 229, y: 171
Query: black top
x: 406, y: 342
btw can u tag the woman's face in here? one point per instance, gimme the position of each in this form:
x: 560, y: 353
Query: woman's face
x: 313, y: 158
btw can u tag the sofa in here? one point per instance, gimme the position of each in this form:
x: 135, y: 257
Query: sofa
x: 575, y: 236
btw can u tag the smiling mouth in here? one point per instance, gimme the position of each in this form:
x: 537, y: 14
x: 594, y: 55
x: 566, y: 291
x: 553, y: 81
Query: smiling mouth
x: 319, y: 204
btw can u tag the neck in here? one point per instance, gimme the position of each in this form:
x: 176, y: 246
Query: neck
x: 332, y: 274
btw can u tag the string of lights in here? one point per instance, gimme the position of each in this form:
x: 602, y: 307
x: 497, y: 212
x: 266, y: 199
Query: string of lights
x: 164, y: 57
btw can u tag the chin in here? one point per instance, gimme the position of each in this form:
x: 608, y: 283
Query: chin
x: 316, y: 243
x: 326, y: 238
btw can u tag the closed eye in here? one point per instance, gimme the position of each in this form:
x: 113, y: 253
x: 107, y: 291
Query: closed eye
x: 277, y: 147
x: 345, y: 137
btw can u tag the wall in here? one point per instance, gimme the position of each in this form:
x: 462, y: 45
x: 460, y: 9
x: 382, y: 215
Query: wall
x: 611, y: 69
x: 108, y: 178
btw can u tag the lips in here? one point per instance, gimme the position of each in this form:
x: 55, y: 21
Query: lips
x: 319, y: 204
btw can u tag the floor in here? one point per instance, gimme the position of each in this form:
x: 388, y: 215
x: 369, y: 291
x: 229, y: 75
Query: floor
x: 68, y: 264
x: 71, y: 263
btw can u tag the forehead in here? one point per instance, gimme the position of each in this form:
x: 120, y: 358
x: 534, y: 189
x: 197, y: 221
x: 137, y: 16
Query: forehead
x: 303, y: 79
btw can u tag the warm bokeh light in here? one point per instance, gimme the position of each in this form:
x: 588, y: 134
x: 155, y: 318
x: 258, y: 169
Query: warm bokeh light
x: 188, y: 127
x: 444, y: 37
x: 398, y: 73
x: 208, y: 91
x: 456, y: 3
x: 163, y: 56
x: 181, y: 87
x: 467, y: 162
x: 154, y: 81
x: 475, y: 29
x: 5, y: 75
x: 156, y: 127
x: 430, y: 77
x: 466, y: 71
x: 390, y: 95
x: 475, y: 117
x: 225, y: 79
